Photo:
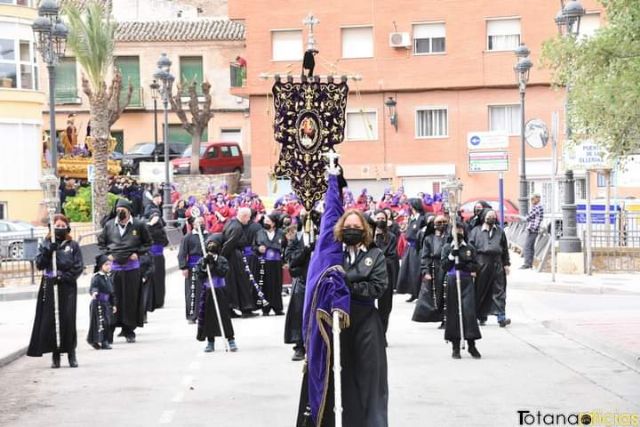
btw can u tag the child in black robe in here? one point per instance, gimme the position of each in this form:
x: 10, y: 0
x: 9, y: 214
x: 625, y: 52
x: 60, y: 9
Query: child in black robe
x: 103, y: 305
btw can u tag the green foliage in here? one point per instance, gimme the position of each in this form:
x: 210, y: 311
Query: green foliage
x: 603, y: 73
x: 92, y: 39
x: 78, y: 208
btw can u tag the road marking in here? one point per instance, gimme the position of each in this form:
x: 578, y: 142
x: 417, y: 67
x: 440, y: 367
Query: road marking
x: 178, y: 397
x: 187, y: 379
x: 167, y: 416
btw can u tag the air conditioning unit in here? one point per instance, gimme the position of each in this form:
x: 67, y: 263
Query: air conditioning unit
x: 399, y: 40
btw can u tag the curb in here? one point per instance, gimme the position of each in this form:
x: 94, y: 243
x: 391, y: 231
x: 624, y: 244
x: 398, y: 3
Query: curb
x: 12, y: 357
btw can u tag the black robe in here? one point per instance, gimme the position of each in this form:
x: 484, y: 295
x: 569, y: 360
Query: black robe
x: 208, y: 325
x: 388, y: 244
x: 159, y: 242
x: 409, y: 276
x: 297, y: 256
x: 189, y: 255
x: 238, y: 287
x: 468, y: 265
x: 70, y: 266
x: 250, y: 230
x: 127, y: 284
x: 365, y: 390
x: 101, y: 316
x: 493, y: 255
x: 270, y: 270
x: 430, y: 305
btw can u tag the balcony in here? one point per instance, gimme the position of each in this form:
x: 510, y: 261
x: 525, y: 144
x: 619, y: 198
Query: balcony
x: 238, y: 79
x: 137, y: 97
x: 67, y: 95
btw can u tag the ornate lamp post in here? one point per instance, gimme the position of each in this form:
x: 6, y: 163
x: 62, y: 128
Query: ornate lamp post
x: 166, y: 80
x: 521, y: 70
x: 154, y: 86
x: 568, y: 22
x: 49, y: 184
x: 393, y: 114
x: 51, y: 34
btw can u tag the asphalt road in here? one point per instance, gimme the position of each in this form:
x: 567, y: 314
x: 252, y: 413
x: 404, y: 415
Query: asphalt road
x: 166, y: 379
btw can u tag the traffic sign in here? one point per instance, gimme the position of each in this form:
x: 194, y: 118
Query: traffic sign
x: 488, y: 161
x: 91, y: 173
x: 487, y: 140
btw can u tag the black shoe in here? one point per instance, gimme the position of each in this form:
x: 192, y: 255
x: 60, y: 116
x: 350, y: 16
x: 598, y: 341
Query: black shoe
x: 279, y: 313
x: 131, y: 338
x: 73, y: 362
x: 442, y: 325
x: 106, y: 345
x: 482, y: 322
x: 95, y: 345
x: 264, y: 313
x: 234, y: 315
x: 55, y: 360
x: 298, y: 355
x: 248, y: 314
x: 504, y: 322
x: 473, y: 351
x: 191, y: 322
x: 525, y: 267
x: 412, y: 299
x: 456, y: 353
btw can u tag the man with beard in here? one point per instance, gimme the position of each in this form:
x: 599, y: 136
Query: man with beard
x: 238, y: 284
x: 124, y: 239
x: 430, y: 305
x: 493, y: 257
x: 409, y: 276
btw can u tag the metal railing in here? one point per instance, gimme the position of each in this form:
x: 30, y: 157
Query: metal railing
x: 238, y: 75
x: 137, y: 96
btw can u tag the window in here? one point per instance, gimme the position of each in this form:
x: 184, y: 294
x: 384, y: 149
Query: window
x: 505, y: 118
x: 21, y: 170
x: 118, y: 135
x: 129, y: 67
x: 362, y: 125
x: 286, y: 45
x: 429, y: 38
x: 234, y: 151
x: 191, y: 71
x: 357, y: 42
x: 3, y: 212
x: 589, y: 24
x: 602, y: 179
x: 431, y: 123
x: 18, y: 66
x: 18, y: 2
x: 212, y: 153
x: 179, y: 135
x: 503, y: 34
x: 225, y: 151
x: 234, y: 135
x: 66, y: 81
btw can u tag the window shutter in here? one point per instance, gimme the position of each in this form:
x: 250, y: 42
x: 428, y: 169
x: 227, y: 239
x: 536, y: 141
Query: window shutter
x: 66, y: 81
x: 357, y: 42
x: 286, y: 45
x: 130, y: 69
x: 503, y: 27
x: 428, y: 31
x: 190, y: 71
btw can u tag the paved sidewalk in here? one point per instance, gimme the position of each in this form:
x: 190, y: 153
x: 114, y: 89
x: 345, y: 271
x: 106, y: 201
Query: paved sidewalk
x: 17, y: 309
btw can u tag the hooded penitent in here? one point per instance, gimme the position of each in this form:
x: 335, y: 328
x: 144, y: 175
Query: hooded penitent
x: 326, y: 292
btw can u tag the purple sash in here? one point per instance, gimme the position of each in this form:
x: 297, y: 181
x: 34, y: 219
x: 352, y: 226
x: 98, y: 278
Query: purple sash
x: 102, y: 297
x: 156, y: 249
x: 272, y: 255
x: 247, y: 251
x: 218, y: 282
x: 49, y: 274
x: 193, y: 260
x: 452, y: 272
x: 132, y: 264
x: 411, y: 243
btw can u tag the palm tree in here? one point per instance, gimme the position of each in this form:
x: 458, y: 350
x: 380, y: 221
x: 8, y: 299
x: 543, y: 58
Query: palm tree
x: 92, y: 39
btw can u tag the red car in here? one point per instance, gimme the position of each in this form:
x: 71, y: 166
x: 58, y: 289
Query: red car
x: 511, y: 213
x: 215, y: 157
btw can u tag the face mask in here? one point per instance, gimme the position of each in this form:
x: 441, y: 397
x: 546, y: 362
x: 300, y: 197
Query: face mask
x: 286, y: 223
x: 381, y: 225
x: 60, y: 233
x: 460, y: 237
x: 267, y: 226
x: 352, y: 236
x: 490, y: 221
x: 122, y: 215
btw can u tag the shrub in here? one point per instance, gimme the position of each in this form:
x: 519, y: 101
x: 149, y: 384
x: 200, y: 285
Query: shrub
x: 78, y: 208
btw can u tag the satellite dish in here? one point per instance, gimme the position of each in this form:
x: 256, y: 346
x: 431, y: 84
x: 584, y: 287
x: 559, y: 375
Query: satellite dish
x: 536, y: 133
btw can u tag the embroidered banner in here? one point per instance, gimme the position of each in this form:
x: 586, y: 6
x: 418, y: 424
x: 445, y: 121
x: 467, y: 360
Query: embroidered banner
x: 309, y: 121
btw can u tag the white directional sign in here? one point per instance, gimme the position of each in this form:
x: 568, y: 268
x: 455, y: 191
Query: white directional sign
x: 490, y: 140
x: 91, y: 173
x: 488, y: 161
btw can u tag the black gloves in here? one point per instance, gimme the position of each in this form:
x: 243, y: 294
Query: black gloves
x: 455, y: 252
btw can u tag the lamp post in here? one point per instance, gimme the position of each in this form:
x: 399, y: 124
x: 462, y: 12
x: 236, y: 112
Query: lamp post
x: 51, y: 34
x: 166, y: 80
x: 393, y: 114
x: 154, y: 86
x: 568, y: 22
x: 521, y: 69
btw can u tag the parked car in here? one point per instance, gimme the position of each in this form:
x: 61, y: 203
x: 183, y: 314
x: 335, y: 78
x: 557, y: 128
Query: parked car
x: 145, y: 152
x: 215, y: 157
x: 511, y: 213
x: 12, y: 235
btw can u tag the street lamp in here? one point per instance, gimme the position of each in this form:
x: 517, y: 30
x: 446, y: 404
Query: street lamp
x: 393, y: 114
x: 154, y: 86
x: 51, y: 35
x: 568, y: 22
x: 166, y: 80
x: 521, y: 69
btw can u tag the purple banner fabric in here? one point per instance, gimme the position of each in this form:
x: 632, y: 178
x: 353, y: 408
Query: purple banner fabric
x: 132, y: 264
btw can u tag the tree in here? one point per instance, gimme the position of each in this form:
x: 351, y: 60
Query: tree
x: 92, y: 39
x: 200, y: 116
x: 603, y: 73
